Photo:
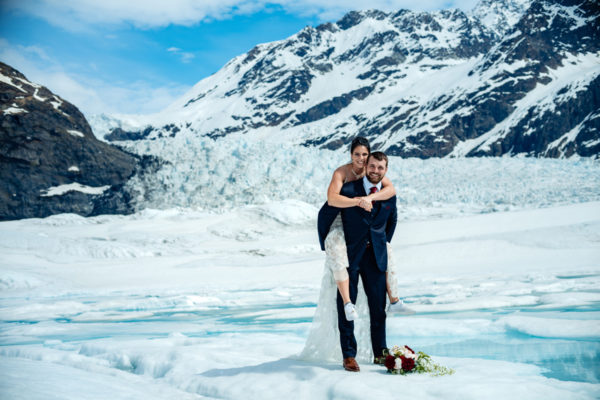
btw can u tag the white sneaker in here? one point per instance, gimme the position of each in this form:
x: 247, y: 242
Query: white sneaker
x: 350, y: 312
x: 400, y: 308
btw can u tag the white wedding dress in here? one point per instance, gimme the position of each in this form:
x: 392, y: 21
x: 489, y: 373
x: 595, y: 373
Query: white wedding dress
x: 323, y: 343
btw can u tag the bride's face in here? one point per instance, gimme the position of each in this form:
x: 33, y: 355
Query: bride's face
x: 359, y: 157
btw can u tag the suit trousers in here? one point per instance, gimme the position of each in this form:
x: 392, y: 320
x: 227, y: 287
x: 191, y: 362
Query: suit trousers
x: 373, y: 280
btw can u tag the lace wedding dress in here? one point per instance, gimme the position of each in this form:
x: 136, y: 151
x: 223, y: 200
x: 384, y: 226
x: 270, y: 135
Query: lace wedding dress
x: 323, y: 343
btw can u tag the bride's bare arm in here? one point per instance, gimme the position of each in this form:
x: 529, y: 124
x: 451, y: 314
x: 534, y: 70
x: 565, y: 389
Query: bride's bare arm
x: 334, y: 198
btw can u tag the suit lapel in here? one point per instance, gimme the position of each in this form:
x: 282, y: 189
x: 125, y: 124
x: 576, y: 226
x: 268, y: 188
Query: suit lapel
x: 360, y: 188
x: 376, y: 208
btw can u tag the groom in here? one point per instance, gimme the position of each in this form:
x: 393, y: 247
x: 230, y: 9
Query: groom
x: 366, y: 236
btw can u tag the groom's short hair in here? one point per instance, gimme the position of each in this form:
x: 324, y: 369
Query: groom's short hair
x: 379, y: 156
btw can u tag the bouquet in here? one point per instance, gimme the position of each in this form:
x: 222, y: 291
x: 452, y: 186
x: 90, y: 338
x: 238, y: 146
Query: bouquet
x: 403, y: 360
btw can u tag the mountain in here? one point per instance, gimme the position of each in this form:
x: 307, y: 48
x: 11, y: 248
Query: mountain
x: 512, y: 77
x: 50, y: 161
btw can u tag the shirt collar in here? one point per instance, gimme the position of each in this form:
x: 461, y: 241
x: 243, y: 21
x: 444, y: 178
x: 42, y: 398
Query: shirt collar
x: 368, y: 185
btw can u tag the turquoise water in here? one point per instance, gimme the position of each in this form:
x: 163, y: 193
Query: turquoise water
x: 567, y: 359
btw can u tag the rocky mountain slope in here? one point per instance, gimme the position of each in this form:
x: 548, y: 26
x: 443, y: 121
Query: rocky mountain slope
x: 50, y: 161
x: 512, y: 77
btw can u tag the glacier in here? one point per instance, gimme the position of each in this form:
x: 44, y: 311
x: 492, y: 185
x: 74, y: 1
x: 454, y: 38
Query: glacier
x: 238, y: 170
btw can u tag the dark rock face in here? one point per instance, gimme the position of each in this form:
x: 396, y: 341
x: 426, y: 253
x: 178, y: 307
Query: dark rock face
x: 46, y: 142
x: 118, y: 134
x: 293, y: 86
x: 332, y: 106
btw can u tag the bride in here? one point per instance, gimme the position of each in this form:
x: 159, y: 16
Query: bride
x: 323, y: 341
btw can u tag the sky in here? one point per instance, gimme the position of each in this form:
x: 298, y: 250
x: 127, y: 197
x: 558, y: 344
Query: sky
x: 138, y: 56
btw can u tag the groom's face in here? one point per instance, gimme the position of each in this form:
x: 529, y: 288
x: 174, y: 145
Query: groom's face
x: 376, y: 170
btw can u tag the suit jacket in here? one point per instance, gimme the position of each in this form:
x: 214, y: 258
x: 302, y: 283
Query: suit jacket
x: 360, y: 226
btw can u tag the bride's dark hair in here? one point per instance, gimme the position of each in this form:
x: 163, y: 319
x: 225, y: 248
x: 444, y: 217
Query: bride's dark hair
x: 360, y: 141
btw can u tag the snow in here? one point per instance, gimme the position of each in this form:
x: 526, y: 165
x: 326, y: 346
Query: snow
x: 76, y: 133
x: 591, y: 143
x: 8, y: 80
x: 13, y: 110
x: 216, y: 302
x: 548, y: 327
x: 500, y: 16
x: 56, y: 104
x: 77, y: 187
x: 37, y: 97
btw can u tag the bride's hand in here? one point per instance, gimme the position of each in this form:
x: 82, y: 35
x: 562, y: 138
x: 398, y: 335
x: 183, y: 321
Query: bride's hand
x: 365, y: 203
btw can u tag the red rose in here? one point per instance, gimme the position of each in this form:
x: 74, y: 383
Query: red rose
x: 407, y: 363
x: 409, y: 349
x: 390, y: 362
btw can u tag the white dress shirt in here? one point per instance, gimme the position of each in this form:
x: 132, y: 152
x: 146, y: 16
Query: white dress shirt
x: 368, y: 185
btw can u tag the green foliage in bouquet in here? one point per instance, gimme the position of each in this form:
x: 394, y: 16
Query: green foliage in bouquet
x: 426, y: 365
x: 403, y: 360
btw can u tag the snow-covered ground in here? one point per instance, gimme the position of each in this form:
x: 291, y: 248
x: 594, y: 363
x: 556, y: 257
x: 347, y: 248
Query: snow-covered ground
x: 189, y: 303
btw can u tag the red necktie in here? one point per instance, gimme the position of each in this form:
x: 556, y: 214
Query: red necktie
x: 373, y: 190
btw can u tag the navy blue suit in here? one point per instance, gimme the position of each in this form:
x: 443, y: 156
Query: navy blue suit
x: 366, y: 236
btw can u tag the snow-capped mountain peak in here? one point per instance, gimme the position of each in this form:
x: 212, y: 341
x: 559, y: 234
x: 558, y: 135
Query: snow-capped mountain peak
x: 500, y: 15
x: 423, y: 84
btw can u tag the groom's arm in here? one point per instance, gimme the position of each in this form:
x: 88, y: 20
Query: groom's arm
x: 392, y: 220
